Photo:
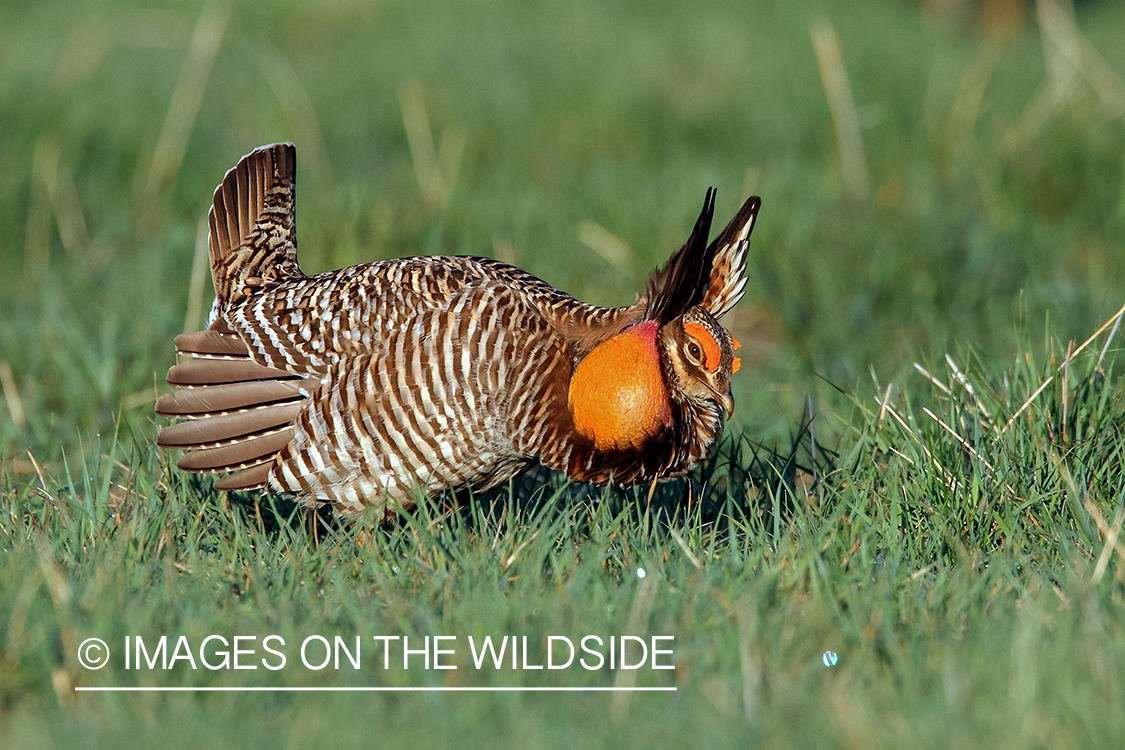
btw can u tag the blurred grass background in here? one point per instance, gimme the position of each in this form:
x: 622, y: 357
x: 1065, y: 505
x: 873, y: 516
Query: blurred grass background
x: 936, y: 177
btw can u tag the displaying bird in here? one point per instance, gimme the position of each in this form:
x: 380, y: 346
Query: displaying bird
x: 363, y: 386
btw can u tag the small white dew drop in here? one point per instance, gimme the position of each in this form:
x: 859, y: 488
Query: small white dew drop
x: 640, y: 572
x: 829, y: 658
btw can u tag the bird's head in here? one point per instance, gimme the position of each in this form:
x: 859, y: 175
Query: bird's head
x: 623, y: 392
x: 686, y: 298
x: 699, y: 359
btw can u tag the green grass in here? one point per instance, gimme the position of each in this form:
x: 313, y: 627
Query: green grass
x: 952, y: 533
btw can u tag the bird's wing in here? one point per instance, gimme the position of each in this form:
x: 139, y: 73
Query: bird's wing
x: 237, y: 413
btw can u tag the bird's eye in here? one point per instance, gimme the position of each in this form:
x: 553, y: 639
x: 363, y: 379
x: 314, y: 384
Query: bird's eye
x: 702, y: 347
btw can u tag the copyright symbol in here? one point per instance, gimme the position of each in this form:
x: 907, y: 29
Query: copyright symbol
x: 93, y: 653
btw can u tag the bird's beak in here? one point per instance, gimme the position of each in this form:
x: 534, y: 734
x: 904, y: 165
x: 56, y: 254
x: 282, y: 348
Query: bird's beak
x: 726, y: 400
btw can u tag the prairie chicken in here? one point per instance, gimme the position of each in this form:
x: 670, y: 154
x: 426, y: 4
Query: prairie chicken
x: 358, y: 387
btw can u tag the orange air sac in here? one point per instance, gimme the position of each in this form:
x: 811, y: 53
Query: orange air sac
x: 617, y: 393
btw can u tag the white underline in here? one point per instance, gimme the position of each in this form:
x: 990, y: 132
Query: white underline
x: 375, y: 689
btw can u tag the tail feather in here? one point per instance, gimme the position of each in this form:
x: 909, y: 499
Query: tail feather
x: 239, y: 413
x: 252, y: 236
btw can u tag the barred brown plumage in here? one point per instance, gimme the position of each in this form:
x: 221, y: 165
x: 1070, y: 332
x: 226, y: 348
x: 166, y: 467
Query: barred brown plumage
x: 358, y: 387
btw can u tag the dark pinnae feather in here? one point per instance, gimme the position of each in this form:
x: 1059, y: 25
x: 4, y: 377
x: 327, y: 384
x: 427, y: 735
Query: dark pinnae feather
x: 680, y: 284
x: 735, y: 226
